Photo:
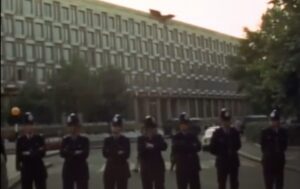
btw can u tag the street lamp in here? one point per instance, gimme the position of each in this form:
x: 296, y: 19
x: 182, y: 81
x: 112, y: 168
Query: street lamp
x: 15, y: 113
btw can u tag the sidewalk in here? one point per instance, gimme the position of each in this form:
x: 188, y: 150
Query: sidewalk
x: 252, y: 151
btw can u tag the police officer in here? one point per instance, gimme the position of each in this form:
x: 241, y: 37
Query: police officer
x: 116, y: 150
x: 4, y: 181
x: 273, y: 145
x: 185, y: 148
x: 75, y: 150
x: 30, y: 150
x: 225, y: 144
x: 150, y: 146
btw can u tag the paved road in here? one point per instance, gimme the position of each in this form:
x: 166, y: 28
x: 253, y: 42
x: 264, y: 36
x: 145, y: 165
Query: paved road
x: 250, y: 173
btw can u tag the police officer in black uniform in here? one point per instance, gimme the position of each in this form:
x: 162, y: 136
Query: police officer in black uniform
x: 30, y: 150
x: 116, y: 150
x: 273, y: 145
x: 185, y: 148
x: 75, y: 150
x: 225, y: 144
x: 150, y: 146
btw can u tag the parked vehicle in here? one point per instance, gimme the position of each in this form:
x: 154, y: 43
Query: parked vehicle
x: 206, y: 138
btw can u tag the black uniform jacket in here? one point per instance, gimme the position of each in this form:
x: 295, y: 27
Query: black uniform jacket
x: 225, y: 147
x: 151, y: 158
x: 116, y: 151
x: 273, y: 146
x: 75, y: 151
x: 185, y: 148
x: 29, y: 156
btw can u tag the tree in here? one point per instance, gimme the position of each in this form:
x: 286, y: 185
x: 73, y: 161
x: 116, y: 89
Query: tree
x: 96, y: 94
x: 35, y: 99
x: 268, y: 64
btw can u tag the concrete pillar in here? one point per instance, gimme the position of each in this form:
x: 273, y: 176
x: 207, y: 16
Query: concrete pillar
x: 158, y: 111
x: 169, y: 114
x: 136, y: 109
x: 147, y: 106
x: 196, y: 107
x: 204, y: 108
x: 212, y: 107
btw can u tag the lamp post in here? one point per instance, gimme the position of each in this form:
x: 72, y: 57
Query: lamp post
x: 15, y: 113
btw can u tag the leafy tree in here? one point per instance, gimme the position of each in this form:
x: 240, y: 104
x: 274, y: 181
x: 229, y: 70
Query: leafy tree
x: 35, y: 99
x: 268, y: 64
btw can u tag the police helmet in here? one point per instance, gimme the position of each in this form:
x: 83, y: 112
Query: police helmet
x: 150, y: 122
x: 117, y: 120
x: 275, y: 115
x: 183, y: 118
x: 28, y: 118
x: 73, y: 120
x: 225, y: 115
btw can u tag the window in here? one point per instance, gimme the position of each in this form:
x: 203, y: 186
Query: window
x: 119, y: 42
x: 38, y: 8
x: 98, y: 60
x: 66, y: 34
x: 118, y: 23
x: 48, y: 31
x: 137, y: 28
x: 47, y: 10
x: 56, y: 11
x: 8, y: 4
x: 66, y: 55
x: 20, y: 50
x: 97, y: 20
x: 125, y: 25
x: 81, y: 17
x: 39, y: 52
x: 29, y: 24
x: 82, y: 37
x: 73, y: 14
x: 9, y: 25
x: 111, y: 23
x: 149, y: 31
x: 112, y: 41
x: 40, y: 73
x: 132, y: 45
x: 28, y: 7
x: 19, y: 6
x: 131, y: 26
x: 90, y: 38
x: 65, y: 13
x: 20, y: 74
x: 57, y: 53
x: 89, y: 17
x: 104, y: 20
x: 57, y: 33
x: 29, y: 52
x: 38, y: 30
x: 105, y: 40
x: 49, y: 54
x: 19, y: 28
x: 9, y: 50
x: 74, y: 36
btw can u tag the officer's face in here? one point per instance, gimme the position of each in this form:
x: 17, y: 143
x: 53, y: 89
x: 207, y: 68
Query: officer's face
x: 75, y: 130
x: 28, y: 129
x: 150, y: 131
x: 116, y: 130
x: 226, y: 123
x: 275, y: 123
x: 183, y: 127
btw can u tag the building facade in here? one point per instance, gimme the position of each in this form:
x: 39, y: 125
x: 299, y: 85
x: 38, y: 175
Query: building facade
x: 170, y: 67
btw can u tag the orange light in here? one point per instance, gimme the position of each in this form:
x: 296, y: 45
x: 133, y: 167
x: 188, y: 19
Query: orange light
x: 15, y: 111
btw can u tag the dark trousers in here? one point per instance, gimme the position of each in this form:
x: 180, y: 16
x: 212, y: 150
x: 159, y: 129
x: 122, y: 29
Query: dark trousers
x: 27, y: 182
x: 185, y: 179
x: 223, y: 174
x: 274, y: 177
x: 115, y: 183
x: 153, y: 181
x: 71, y: 183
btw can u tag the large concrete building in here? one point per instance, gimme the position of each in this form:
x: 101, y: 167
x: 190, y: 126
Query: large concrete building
x: 169, y: 66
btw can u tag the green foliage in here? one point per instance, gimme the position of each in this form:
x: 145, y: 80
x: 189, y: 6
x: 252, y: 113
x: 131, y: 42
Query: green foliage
x: 36, y: 100
x: 268, y: 64
x: 96, y: 94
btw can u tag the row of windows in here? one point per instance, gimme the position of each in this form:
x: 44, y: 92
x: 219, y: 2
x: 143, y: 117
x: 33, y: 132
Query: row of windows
x: 39, y: 52
x: 88, y: 18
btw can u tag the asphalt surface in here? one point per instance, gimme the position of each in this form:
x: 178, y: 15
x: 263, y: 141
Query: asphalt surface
x: 250, y: 173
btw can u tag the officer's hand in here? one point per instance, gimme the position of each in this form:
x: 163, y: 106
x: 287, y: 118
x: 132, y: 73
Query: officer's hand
x: 149, y: 145
x: 120, y: 152
x: 26, y: 153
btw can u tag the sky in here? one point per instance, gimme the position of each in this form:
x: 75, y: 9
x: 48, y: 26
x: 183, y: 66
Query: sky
x: 226, y: 16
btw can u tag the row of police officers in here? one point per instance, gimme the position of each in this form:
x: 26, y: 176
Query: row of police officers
x: 225, y: 144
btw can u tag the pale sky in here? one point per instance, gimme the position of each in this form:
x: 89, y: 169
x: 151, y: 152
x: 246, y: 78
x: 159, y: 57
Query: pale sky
x: 226, y: 16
